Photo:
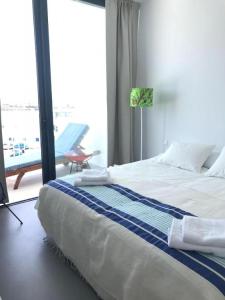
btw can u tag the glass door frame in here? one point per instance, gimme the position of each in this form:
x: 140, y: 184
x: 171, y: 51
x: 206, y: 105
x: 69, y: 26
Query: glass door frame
x: 41, y: 34
x: 40, y: 16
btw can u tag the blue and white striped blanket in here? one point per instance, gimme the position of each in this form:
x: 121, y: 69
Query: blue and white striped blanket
x: 147, y: 218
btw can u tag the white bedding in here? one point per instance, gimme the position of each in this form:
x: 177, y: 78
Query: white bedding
x: 187, y: 190
x: 119, y: 264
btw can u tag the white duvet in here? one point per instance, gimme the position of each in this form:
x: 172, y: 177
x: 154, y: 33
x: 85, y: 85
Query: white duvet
x: 119, y: 264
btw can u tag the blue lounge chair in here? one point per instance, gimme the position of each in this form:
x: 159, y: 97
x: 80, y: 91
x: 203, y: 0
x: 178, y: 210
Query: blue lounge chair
x: 69, y: 139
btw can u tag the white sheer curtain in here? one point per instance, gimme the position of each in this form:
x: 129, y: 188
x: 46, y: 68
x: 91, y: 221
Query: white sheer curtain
x: 121, y: 58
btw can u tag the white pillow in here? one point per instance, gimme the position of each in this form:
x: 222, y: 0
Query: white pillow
x: 218, y: 168
x: 186, y: 156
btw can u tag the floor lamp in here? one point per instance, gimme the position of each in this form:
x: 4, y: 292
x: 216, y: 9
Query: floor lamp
x: 141, y: 97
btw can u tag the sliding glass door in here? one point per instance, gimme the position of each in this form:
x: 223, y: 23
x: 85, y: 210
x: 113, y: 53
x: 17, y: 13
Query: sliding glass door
x: 19, y: 100
x: 64, y: 100
x: 78, y: 73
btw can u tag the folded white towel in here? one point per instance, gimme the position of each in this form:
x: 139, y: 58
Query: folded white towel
x: 94, y: 172
x: 205, y: 232
x: 79, y: 182
x: 175, y: 240
x: 94, y: 178
x: 94, y: 175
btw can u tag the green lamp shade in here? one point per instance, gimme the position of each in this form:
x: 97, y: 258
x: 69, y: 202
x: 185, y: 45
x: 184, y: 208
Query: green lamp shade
x: 141, y: 97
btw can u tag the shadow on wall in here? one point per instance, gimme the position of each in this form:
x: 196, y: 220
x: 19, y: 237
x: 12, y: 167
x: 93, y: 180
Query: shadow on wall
x: 167, y: 91
x: 166, y: 100
x: 165, y: 97
x: 155, y: 120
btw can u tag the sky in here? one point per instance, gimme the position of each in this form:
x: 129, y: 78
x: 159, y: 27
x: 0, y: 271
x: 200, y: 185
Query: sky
x: 77, y: 51
x: 17, y: 53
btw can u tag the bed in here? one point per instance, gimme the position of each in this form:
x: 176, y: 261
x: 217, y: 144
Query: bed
x: 118, y: 243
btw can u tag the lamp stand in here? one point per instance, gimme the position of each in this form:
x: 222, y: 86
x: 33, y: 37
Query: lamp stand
x: 2, y: 200
x: 6, y: 206
x: 141, y: 133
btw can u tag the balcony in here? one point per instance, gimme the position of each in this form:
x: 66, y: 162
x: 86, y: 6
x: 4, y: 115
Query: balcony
x: 30, y: 184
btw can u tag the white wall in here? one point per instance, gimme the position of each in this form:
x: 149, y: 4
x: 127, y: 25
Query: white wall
x: 182, y: 56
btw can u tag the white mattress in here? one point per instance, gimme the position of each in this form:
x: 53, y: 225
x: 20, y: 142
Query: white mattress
x: 117, y: 263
